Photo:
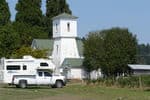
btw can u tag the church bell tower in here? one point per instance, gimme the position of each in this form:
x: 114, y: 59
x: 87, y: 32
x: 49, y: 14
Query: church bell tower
x: 64, y: 36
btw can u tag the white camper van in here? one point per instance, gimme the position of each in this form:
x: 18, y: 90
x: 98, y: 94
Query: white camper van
x: 29, y: 71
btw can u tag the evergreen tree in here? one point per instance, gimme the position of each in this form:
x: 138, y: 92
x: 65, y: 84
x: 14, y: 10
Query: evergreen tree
x: 28, y: 11
x: 9, y: 40
x: 29, y: 20
x: 4, y: 12
x: 54, y: 7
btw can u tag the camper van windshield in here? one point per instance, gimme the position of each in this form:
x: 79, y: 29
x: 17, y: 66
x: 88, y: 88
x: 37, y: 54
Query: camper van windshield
x: 13, y: 67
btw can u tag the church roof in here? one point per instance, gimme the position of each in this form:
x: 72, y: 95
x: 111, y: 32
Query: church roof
x: 64, y: 16
x: 73, y: 62
x: 139, y: 67
x: 48, y: 44
x: 43, y: 44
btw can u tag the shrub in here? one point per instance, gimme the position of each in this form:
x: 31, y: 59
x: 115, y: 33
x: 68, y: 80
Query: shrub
x: 131, y: 81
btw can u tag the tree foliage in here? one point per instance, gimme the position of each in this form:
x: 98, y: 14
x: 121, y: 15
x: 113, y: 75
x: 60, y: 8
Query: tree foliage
x: 29, y: 21
x: 4, y: 13
x: 28, y: 33
x: 111, y: 50
x: 54, y: 8
x: 93, y: 51
x: 143, y: 54
x: 28, y: 11
x: 9, y: 41
x: 25, y: 50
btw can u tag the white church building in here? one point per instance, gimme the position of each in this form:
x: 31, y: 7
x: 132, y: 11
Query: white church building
x: 65, y: 50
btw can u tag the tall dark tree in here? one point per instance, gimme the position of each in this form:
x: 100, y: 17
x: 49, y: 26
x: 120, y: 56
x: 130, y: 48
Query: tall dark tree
x: 29, y: 20
x: 55, y: 7
x: 111, y: 50
x: 4, y: 12
x: 28, y: 11
x: 9, y: 40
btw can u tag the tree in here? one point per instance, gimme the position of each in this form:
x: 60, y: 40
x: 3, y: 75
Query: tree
x: 111, y: 50
x: 54, y: 7
x: 28, y: 11
x: 120, y: 48
x: 4, y: 13
x: 26, y: 50
x: 28, y: 33
x: 9, y: 41
x: 93, y: 51
x: 143, y: 54
x: 29, y: 21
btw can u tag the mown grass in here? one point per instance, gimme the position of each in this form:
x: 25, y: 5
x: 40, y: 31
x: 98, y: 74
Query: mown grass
x: 73, y: 92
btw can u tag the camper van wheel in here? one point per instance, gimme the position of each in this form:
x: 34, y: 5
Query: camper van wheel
x: 23, y: 84
x: 58, y: 84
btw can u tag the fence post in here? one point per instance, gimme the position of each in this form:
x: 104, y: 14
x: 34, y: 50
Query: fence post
x: 140, y: 82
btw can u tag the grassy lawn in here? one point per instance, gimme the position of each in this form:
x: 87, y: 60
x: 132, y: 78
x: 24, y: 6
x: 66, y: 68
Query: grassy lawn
x: 73, y: 92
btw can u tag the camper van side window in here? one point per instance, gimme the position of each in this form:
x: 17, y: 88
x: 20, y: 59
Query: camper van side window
x: 24, y: 67
x: 13, y: 67
x: 40, y: 74
x: 44, y: 64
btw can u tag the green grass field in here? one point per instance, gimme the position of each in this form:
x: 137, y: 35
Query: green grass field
x: 73, y: 92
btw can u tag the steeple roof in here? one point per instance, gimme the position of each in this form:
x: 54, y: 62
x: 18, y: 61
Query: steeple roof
x: 64, y: 16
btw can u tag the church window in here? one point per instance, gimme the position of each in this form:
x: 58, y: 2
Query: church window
x: 56, y: 28
x: 57, y: 49
x: 68, y: 27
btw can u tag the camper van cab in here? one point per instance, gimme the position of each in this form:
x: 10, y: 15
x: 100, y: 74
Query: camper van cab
x: 29, y: 71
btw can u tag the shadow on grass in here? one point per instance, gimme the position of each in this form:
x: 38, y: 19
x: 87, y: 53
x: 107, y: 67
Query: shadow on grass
x: 147, y: 90
x: 28, y: 87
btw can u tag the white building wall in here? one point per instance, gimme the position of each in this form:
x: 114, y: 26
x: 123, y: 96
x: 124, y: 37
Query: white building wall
x: 60, y: 28
x: 64, y: 48
x: 76, y: 73
x: 68, y: 49
x: 56, y: 58
x: 64, y: 28
x: 56, y: 28
x: 96, y: 74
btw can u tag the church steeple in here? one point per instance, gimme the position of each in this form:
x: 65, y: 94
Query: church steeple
x: 64, y: 35
x: 64, y: 25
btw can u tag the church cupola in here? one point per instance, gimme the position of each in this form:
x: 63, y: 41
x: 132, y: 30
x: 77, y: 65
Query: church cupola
x: 64, y: 36
x: 64, y: 25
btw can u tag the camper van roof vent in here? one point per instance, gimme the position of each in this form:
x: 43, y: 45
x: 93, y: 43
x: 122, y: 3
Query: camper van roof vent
x: 27, y: 57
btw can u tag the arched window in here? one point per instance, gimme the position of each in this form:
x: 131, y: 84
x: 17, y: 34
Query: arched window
x: 68, y: 27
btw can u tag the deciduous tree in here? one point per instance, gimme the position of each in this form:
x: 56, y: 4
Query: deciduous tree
x: 111, y: 50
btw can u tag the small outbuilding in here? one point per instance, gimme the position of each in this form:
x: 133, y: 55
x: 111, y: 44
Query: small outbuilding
x: 140, y: 69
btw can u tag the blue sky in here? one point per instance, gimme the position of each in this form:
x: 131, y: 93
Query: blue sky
x: 103, y: 14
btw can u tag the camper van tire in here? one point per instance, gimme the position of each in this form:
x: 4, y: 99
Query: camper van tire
x: 23, y: 84
x: 59, y: 84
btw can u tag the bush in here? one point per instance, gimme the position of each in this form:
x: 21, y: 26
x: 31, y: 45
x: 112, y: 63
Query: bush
x: 146, y: 80
x: 131, y: 82
x: 128, y: 81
